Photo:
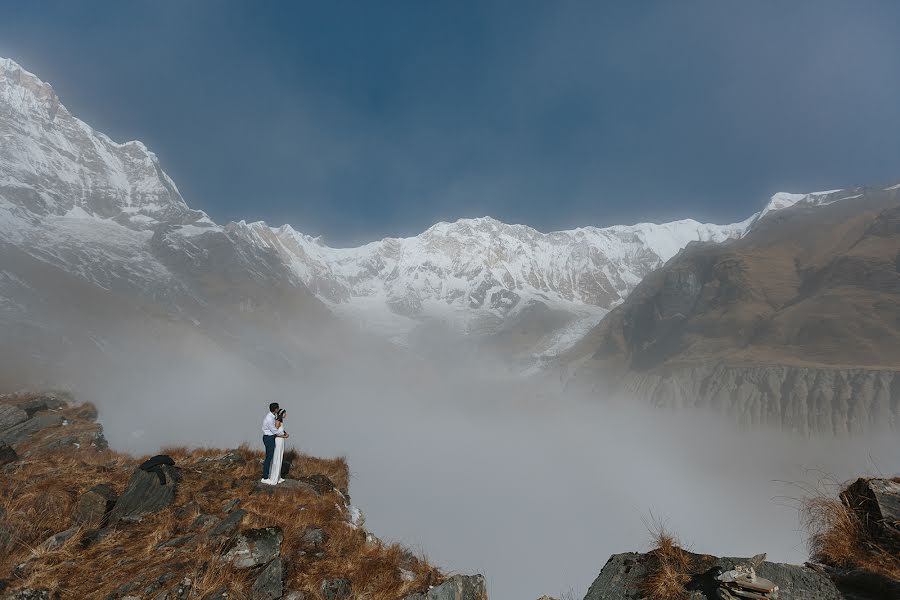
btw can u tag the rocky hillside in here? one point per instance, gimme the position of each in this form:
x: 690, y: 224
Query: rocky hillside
x: 78, y: 520
x: 797, y: 324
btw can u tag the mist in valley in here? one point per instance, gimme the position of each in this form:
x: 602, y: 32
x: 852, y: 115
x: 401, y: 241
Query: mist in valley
x: 483, y: 472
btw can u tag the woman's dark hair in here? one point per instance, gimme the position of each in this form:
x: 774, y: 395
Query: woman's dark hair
x: 273, y: 407
x: 280, y: 414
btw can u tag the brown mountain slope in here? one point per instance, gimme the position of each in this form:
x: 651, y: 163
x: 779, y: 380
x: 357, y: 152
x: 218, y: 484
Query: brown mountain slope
x: 813, y: 291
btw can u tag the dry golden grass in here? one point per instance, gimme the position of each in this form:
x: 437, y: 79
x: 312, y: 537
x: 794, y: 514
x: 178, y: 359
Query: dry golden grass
x: 40, y: 493
x: 839, y: 538
x: 670, y: 569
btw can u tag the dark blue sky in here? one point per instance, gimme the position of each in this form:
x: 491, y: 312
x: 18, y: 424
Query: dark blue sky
x: 365, y: 119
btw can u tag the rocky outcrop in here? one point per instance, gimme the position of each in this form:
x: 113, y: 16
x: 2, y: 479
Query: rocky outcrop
x: 876, y: 502
x: 623, y: 575
x: 270, y: 583
x: 805, y: 400
x: 255, y: 547
x: 145, y: 494
x: 94, y: 506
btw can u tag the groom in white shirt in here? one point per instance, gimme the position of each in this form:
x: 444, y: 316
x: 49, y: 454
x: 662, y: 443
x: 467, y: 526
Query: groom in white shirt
x: 270, y: 432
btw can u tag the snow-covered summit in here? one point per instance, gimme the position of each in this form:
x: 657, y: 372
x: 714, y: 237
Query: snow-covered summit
x: 55, y: 164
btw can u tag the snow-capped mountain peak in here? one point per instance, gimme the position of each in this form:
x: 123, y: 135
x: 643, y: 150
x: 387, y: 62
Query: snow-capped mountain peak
x: 55, y: 164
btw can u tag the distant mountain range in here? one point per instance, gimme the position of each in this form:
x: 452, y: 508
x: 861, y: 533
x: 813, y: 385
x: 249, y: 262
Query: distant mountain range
x: 92, y: 230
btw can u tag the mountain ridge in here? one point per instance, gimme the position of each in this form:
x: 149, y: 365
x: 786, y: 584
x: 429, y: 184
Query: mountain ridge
x: 107, y: 212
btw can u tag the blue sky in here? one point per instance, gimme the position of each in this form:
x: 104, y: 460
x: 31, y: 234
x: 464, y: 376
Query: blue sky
x: 357, y: 120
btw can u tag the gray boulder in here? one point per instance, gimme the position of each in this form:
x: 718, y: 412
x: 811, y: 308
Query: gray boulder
x: 877, y: 503
x: 145, y: 495
x: 95, y: 505
x: 336, y: 589
x: 55, y: 541
x: 255, y: 547
x: 294, y: 596
x: 270, y: 583
x: 36, y: 404
x: 7, y: 455
x: 458, y: 587
x: 20, y: 432
x: 11, y: 415
x: 621, y: 578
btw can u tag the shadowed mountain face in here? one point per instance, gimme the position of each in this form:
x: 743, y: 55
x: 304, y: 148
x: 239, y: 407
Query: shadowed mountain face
x: 805, y: 308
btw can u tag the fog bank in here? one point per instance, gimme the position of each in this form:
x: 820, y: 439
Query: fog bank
x: 512, y: 479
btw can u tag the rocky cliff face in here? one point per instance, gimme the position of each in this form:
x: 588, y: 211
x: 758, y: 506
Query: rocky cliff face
x: 800, y: 399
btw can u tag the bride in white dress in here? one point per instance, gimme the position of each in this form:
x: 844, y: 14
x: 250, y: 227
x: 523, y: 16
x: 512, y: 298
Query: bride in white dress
x: 275, y: 470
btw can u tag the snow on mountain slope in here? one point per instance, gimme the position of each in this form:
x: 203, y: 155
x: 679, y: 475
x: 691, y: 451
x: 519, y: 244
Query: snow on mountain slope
x: 475, y: 273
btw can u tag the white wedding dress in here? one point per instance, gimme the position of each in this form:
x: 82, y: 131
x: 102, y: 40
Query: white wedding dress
x: 275, y: 469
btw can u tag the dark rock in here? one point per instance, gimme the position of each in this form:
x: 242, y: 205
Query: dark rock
x: 857, y: 583
x: 312, y: 543
x: 459, y: 587
x: 229, y: 524
x: 230, y: 505
x: 99, y: 441
x: 877, y: 503
x: 270, y: 583
x: 35, y: 405
x: 95, y: 505
x: 11, y: 416
x: 21, y: 432
x: 144, y: 494
x: 55, y: 541
x: 621, y: 577
x: 255, y: 547
x: 313, y: 538
x: 336, y: 589
x: 7, y: 455
x: 205, y: 522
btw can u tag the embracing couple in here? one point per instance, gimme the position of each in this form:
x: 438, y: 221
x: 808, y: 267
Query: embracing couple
x: 273, y: 439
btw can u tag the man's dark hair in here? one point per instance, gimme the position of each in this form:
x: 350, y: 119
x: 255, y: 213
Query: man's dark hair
x: 273, y: 407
